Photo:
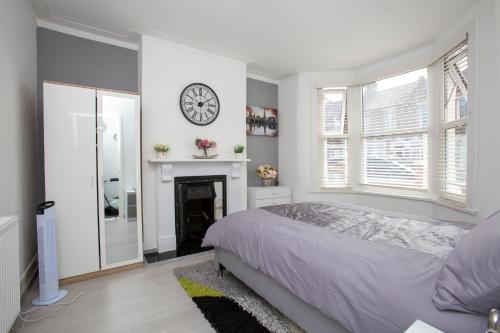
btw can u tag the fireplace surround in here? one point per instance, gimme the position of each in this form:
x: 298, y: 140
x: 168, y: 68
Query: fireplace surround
x: 159, y: 210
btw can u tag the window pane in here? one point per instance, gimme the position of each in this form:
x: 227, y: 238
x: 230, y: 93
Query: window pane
x: 455, y: 160
x: 335, y: 162
x: 397, y: 160
x: 335, y: 117
x: 455, y: 85
x: 396, y: 103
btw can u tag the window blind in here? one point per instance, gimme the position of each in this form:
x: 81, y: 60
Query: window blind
x: 332, y: 137
x: 453, y: 132
x: 395, y: 125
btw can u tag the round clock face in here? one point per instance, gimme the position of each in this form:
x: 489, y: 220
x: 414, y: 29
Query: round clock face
x: 199, y: 104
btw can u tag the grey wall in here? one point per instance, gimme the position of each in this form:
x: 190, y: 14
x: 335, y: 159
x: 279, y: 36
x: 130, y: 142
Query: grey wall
x: 17, y: 123
x: 69, y: 59
x: 261, y: 149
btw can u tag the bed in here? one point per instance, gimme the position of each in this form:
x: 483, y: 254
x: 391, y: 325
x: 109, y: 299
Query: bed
x: 340, y: 268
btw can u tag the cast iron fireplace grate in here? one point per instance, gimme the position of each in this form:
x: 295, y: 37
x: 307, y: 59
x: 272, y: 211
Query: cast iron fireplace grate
x: 196, y: 203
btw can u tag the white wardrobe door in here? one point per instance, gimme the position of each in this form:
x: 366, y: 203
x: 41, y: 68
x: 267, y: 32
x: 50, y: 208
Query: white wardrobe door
x: 70, y: 175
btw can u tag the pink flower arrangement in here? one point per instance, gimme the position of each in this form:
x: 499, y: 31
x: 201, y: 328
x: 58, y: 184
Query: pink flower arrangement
x: 205, y: 144
x: 267, y: 172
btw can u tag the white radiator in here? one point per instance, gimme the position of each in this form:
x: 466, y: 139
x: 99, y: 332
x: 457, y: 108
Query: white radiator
x: 9, y: 272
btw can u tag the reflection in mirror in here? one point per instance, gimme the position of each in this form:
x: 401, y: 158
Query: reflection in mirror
x: 119, y: 177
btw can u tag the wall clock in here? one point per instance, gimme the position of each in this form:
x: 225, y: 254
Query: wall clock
x: 199, y: 104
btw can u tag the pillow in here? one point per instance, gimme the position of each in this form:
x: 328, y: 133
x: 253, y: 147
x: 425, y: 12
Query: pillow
x: 470, y: 278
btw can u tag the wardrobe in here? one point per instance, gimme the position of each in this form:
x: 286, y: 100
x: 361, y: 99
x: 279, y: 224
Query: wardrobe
x: 93, y: 173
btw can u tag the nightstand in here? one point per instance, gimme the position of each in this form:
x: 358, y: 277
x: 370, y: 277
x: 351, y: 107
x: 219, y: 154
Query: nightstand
x: 260, y: 196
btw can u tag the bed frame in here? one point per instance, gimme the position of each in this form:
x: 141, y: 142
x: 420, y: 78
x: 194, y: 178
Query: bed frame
x: 306, y: 316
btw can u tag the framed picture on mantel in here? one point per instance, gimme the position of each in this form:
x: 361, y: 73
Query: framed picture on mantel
x: 262, y: 121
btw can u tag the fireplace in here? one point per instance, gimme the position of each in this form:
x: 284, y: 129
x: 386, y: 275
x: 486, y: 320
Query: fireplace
x: 161, y: 241
x: 199, y: 202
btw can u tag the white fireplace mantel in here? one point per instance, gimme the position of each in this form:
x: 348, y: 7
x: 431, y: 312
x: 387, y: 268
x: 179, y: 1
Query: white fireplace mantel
x: 168, y: 169
x: 201, y: 160
x: 166, y: 166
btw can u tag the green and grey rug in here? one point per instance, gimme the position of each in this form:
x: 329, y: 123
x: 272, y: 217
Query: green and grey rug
x: 228, y: 304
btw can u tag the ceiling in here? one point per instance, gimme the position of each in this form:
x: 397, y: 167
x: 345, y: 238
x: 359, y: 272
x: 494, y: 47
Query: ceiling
x: 275, y: 37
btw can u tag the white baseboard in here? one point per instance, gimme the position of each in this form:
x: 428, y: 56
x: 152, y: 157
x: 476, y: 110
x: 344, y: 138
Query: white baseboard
x: 28, y: 276
x: 166, y: 243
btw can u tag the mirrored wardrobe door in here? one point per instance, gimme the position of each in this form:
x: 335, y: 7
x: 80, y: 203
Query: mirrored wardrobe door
x: 120, y: 220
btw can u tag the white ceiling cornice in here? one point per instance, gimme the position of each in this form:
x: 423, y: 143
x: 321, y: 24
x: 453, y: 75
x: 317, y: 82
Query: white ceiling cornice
x: 261, y: 77
x: 84, y: 34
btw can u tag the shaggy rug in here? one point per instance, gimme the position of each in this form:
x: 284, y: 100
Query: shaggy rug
x: 228, y: 304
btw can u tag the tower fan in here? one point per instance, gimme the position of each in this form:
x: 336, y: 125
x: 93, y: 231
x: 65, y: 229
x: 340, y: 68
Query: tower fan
x: 48, y: 275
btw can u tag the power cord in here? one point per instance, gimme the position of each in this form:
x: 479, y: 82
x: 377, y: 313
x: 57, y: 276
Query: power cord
x: 24, y: 316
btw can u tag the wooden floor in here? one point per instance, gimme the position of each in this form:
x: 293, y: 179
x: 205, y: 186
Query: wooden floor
x: 141, y: 300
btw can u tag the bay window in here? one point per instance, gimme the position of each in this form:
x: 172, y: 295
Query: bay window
x: 391, y: 133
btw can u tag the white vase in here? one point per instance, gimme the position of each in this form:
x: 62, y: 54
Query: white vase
x: 161, y: 155
x: 238, y: 156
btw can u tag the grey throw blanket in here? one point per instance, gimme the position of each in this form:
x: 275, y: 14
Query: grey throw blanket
x: 421, y: 234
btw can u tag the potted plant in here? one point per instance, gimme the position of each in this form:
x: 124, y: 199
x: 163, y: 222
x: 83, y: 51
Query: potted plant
x: 267, y: 174
x: 238, y: 150
x: 205, y: 144
x: 161, y: 150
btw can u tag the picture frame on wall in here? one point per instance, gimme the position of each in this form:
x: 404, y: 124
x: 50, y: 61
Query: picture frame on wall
x: 262, y: 121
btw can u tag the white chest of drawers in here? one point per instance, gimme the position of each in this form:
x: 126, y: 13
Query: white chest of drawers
x: 259, y: 196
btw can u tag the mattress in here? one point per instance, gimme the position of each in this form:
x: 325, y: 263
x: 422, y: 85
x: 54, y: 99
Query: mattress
x: 368, y: 269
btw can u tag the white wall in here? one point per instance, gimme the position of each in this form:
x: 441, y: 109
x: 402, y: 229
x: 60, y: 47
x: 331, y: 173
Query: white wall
x: 488, y: 107
x: 17, y: 120
x: 288, y: 130
x: 297, y: 117
x: 166, y: 69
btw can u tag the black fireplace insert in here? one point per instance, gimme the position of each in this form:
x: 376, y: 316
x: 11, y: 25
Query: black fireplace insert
x: 199, y: 202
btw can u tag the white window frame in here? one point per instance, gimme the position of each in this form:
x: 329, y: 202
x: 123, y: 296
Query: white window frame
x: 443, y: 126
x: 393, y: 133
x: 321, y: 137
